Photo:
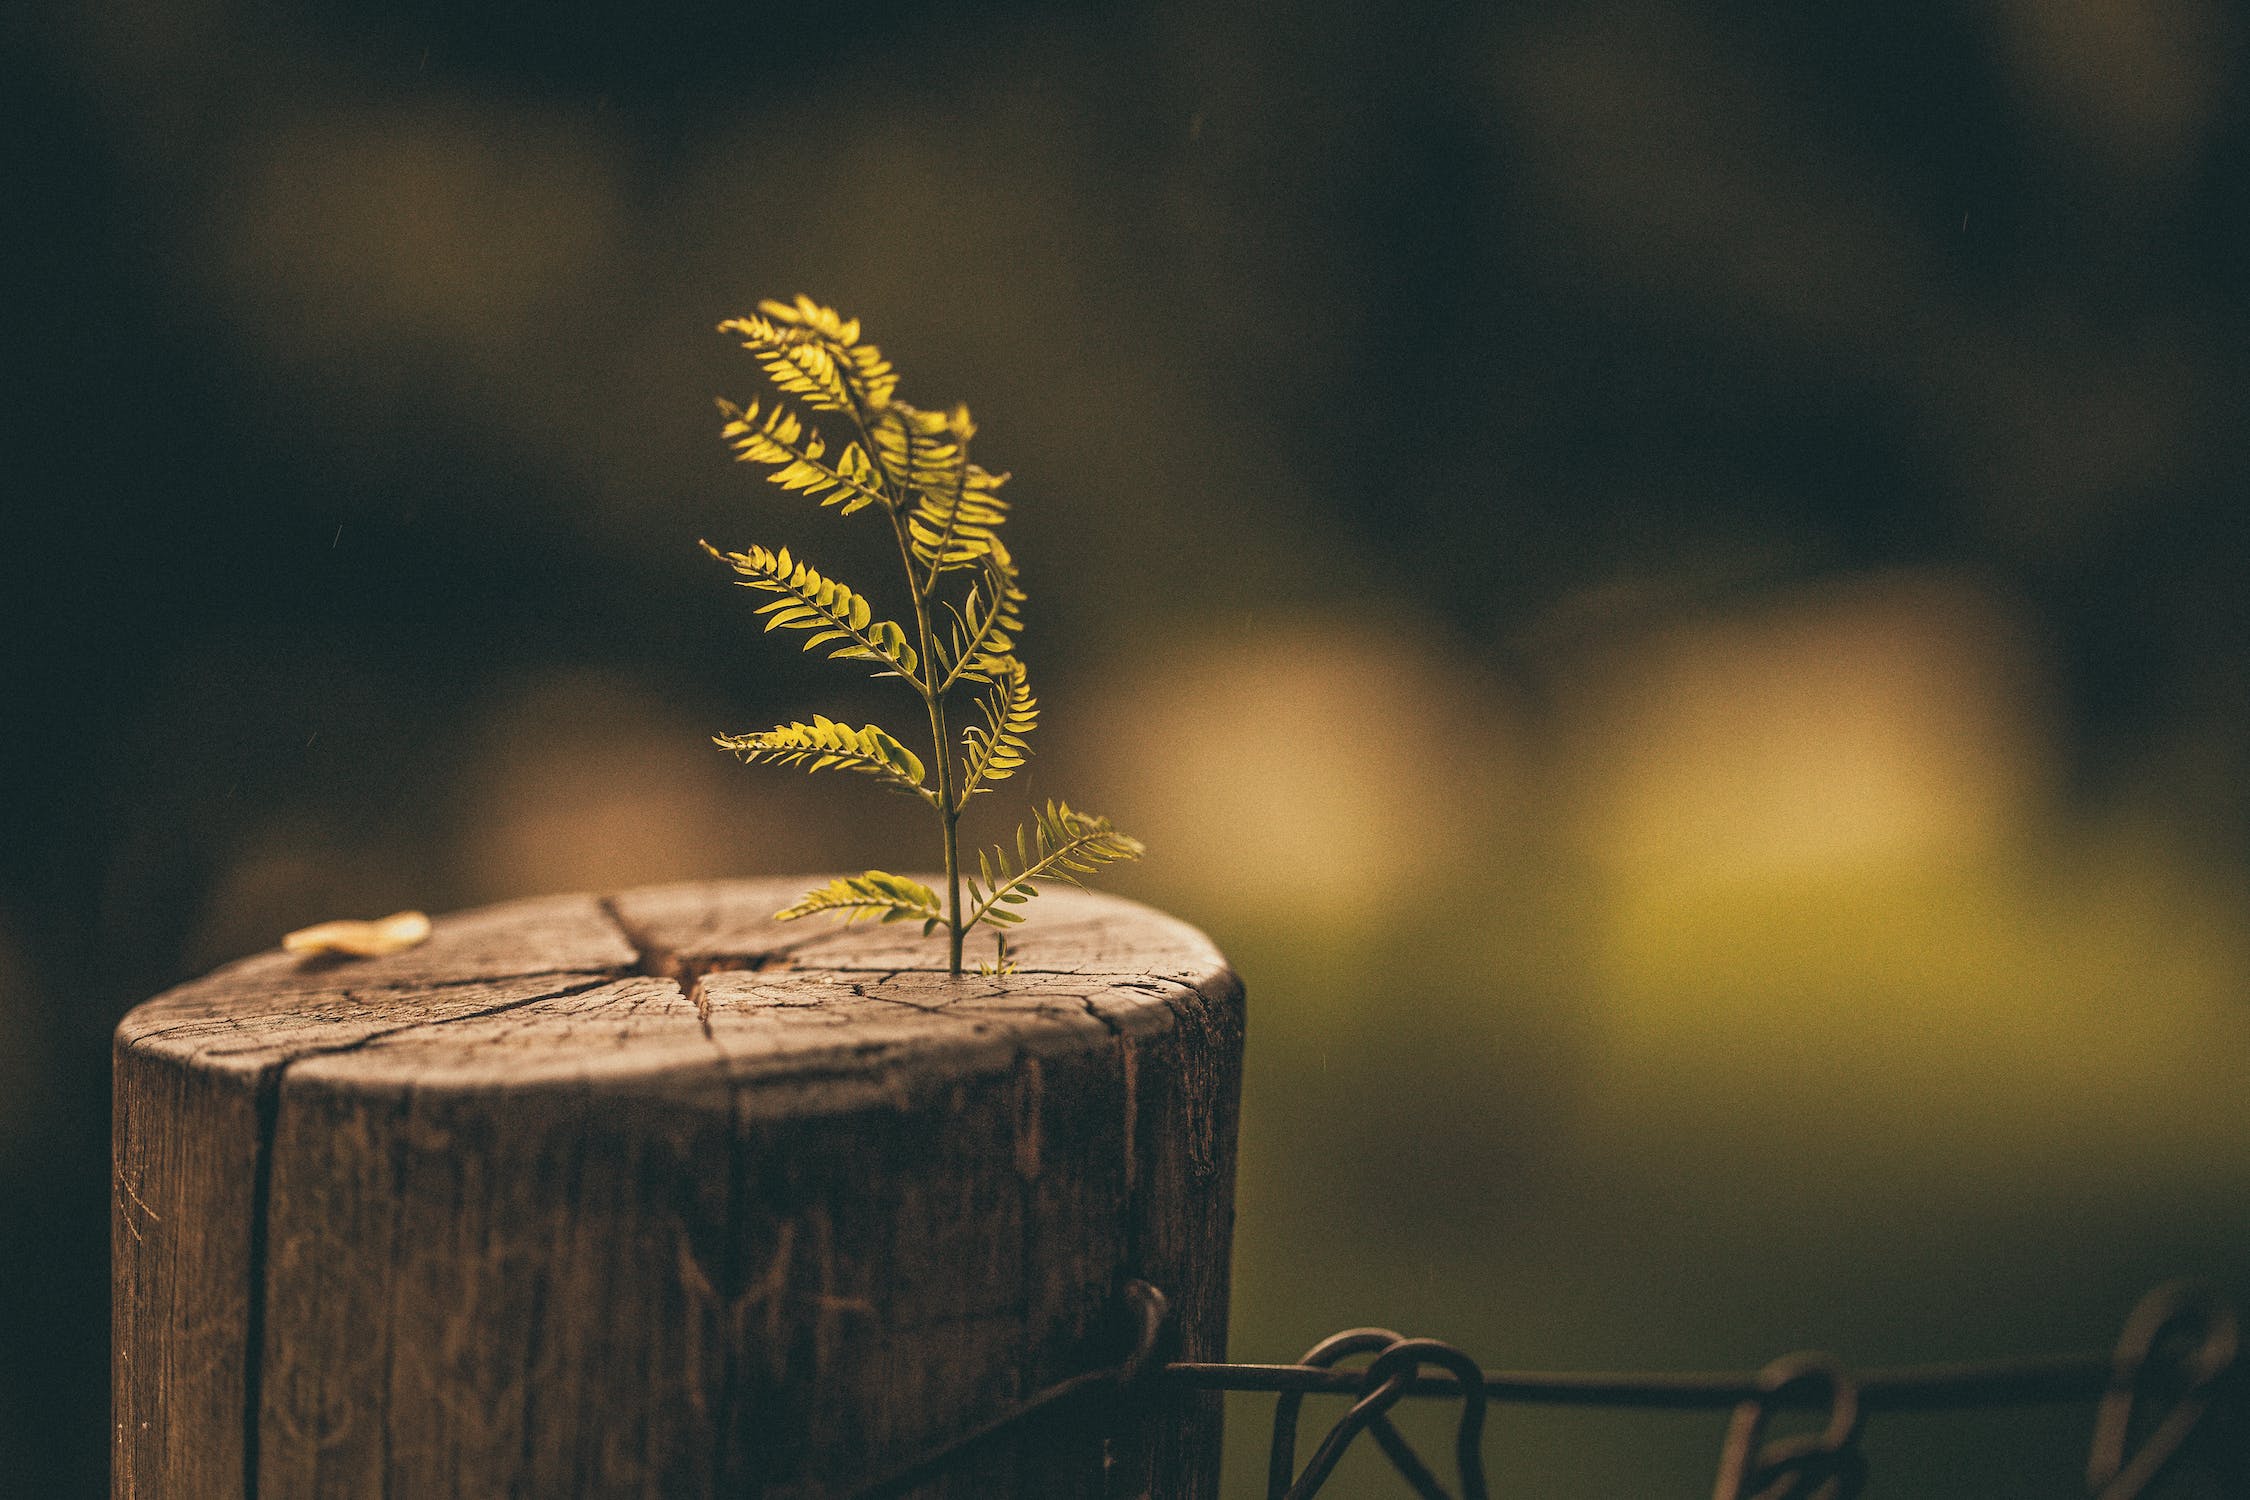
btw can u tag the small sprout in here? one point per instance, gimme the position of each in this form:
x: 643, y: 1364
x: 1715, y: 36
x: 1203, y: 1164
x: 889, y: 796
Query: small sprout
x: 395, y: 933
x: 1002, y: 962
x: 911, y: 467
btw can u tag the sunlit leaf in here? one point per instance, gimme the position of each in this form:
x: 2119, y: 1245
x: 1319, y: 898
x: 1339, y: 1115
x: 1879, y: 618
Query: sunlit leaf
x: 1062, y: 844
x: 798, y: 456
x: 997, y: 750
x: 814, y: 354
x: 825, y: 745
x: 875, y: 896
x: 809, y: 601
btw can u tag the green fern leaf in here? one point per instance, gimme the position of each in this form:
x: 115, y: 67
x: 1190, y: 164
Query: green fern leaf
x: 978, y: 647
x: 921, y: 449
x: 958, y: 527
x: 1063, y: 845
x: 823, y: 606
x: 813, y: 353
x: 956, y: 505
x: 797, y: 456
x: 875, y: 896
x: 998, y: 749
x: 826, y: 745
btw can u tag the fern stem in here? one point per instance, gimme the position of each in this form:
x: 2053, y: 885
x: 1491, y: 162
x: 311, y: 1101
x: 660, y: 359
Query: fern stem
x: 956, y: 929
x: 952, y: 519
x: 933, y: 694
x: 949, y: 817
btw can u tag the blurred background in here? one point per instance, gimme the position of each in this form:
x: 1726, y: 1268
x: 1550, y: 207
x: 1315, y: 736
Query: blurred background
x: 1666, y: 578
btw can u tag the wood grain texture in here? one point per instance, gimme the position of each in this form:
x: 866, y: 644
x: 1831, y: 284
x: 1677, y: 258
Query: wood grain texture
x: 650, y: 1195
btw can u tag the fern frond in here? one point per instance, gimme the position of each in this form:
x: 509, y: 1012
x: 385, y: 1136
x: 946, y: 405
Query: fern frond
x: 826, y: 745
x: 813, y: 353
x: 1064, y: 844
x: 956, y: 505
x: 870, y: 375
x: 798, y: 456
x: 875, y: 896
x: 998, y: 750
x: 921, y: 449
x: 957, y: 527
x: 829, y: 609
x: 978, y: 647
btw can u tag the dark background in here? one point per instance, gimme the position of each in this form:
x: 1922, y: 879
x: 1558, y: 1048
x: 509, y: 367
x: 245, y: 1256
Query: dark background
x: 1666, y: 577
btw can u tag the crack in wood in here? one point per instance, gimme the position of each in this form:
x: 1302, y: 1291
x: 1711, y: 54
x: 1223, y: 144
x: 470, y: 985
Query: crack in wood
x: 267, y: 1090
x: 731, y: 1274
x: 656, y: 960
x: 267, y: 1111
x: 375, y: 1038
x: 358, y: 994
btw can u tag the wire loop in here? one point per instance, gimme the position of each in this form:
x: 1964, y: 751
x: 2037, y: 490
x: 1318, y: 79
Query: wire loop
x: 2176, y: 1357
x: 2181, y: 1339
x: 1388, y: 1379
x: 1826, y: 1465
x: 1281, y: 1462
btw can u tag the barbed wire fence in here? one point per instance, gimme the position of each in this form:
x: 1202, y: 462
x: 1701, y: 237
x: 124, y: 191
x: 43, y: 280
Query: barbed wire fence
x: 2169, y: 1404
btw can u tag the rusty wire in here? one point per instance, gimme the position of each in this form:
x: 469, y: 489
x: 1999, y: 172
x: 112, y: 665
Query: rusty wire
x: 2175, y: 1362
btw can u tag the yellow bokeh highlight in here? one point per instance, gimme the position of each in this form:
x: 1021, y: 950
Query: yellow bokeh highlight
x: 1897, y: 717
x: 1313, y: 767
x: 1836, y: 917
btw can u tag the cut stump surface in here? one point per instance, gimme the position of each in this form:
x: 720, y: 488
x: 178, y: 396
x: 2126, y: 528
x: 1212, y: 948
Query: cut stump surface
x: 652, y: 1195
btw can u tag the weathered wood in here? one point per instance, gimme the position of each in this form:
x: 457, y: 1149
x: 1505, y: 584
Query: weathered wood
x: 654, y: 1196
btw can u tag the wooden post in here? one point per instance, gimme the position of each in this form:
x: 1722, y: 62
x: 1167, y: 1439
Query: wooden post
x: 651, y: 1195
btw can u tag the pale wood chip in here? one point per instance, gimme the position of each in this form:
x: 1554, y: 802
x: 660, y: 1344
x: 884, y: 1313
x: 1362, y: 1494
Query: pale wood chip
x: 393, y: 934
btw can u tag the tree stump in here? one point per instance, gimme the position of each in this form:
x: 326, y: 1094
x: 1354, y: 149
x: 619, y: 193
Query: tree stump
x: 651, y: 1195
